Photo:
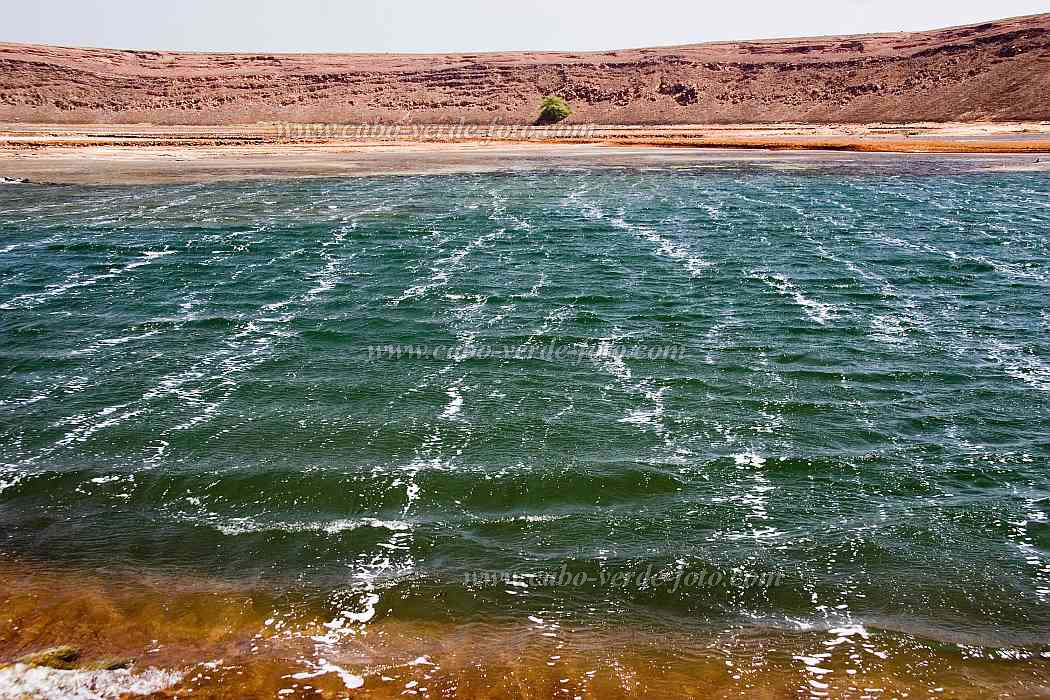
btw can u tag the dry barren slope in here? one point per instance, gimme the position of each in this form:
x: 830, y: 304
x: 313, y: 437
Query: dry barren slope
x: 993, y: 71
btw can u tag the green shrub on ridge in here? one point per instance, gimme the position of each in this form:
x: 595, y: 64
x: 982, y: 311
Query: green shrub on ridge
x: 553, y: 109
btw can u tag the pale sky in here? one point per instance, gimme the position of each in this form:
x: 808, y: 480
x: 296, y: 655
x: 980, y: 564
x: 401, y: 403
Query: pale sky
x: 467, y: 25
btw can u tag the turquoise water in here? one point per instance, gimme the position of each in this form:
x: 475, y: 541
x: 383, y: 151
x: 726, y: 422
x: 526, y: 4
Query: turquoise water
x: 857, y: 402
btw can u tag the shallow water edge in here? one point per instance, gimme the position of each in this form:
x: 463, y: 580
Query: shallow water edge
x: 145, y: 165
x: 202, y: 637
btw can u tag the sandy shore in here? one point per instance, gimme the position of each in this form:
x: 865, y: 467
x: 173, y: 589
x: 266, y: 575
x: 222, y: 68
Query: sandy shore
x: 120, y: 154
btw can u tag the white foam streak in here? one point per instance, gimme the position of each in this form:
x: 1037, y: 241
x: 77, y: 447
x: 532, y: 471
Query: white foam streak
x: 609, y: 358
x: 814, y: 310
x: 455, y: 404
x: 694, y: 264
x: 31, y: 300
x: 242, y: 526
x: 1022, y: 365
x: 21, y: 681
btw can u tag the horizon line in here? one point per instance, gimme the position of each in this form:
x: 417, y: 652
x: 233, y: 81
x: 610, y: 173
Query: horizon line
x: 467, y: 53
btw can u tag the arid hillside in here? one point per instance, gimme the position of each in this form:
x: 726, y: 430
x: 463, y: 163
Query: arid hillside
x: 990, y: 72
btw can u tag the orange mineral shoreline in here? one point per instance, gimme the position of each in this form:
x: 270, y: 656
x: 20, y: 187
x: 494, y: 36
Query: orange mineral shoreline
x: 150, y: 154
x: 919, y: 137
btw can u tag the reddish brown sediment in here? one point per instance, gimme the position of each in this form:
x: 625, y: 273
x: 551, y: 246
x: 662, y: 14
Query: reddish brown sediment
x: 236, y: 640
x: 993, y: 71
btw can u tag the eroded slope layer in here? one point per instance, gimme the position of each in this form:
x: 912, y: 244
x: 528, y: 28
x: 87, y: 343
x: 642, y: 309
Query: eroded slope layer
x: 993, y: 71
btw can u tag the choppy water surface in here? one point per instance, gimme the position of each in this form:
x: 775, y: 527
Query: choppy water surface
x: 862, y: 406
